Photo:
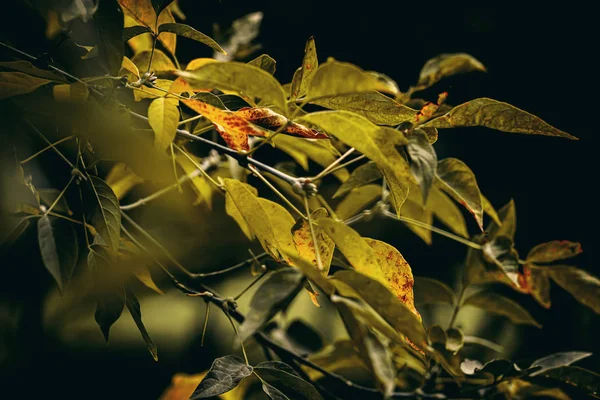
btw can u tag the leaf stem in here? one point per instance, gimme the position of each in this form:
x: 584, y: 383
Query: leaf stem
x: 254, y: 282
x: 206, y: 315
x: 199, y: 167
x: 457, y: 306
x: 276, y: 191
x: 334, y: 164
x: 51, y: 145
x: 60, y: 195
x: 226, y: 310
x: 313, y: 235
x: 46, y: 148
x: 344, y: 165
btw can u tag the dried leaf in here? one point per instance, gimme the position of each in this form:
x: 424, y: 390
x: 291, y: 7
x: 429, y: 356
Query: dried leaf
x: 269, y: 119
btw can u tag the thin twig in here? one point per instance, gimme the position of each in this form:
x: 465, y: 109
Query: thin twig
x: 276, y: 191
x: 334, y: 164
x: 46, y: 148
x: 49, y: 143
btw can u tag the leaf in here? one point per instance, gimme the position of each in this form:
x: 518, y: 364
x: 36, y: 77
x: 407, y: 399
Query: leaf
x: 537, y: 282
x: 70, y: 93
x: 273, y: 295
x: 58, y: 246
x: 142, y: 273
x: 375, y: 142
x: 431, y: 291
x: 286, y: 380
x: 132, y: 31
x: 446, y: 211
x: 264, y: 62
x: 381, y: 299
x: 48, y: 196
x: 423, y: 161
x: 396, y: 272
x: 133, y: 305
x: 160, y: 5
x: 234, y: 212
x: 581, y: 378
x: 143, y: 12
x: 203, y: 188
x: 29, y: 69
x: 109, y: 308
x: 129, y: 66
x: 446, y: 65
x: 455, y: 340
x: 520, y: 389
x: 413, y: 209
x: 190, y: 33
x: 557, y: 360
x: 489, y: 209
x: 225, y: 374
x: 496, y: 304
x: 496, y: 115
x: 508, y: 227
x: 105, y: 214
x: 456, y: 179
x: 14, y: 234
x: 304, y: 244
x: 374, y: 106
x: 269, y: 119
x: 361, y: 176
x: 554, y: 251
x: 17, y: 83
x: 303, y: 75
x: 108, y: 21
x: 357, y: 200
x: 121, y: 179
x: 232, y: 128
x: 160, y: 61
x: 583, y: 286
x: 273, y: 392
x: 381, y: 362
x: 500, y: 252
x: 339, y: 355
x: 163, y: 117
x: 336, y: 78
x: 282, y: 222
x: 239, y: 77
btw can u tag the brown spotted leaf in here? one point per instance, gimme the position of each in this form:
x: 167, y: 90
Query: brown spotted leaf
x: 554, y: 251
x: 304, y: 74
x: 269, y: 119
x: 304, y: 242
x: 496, y: 115
x: 446, y: 65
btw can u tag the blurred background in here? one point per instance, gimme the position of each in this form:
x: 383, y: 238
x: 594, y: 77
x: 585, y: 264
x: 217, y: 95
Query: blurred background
x: 539, y: 60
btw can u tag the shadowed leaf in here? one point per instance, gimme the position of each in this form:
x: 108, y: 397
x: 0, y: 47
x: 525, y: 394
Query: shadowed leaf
x: 203, y: 188
x: 557, y: 360
x: 132, y: 31
x: 431, y: 291
x: 423, y: 161
x: 121, y: 179
x: 133, y: 305
x: 190, y: 33
x: 554, y: 251
x: 496, y: 304
x: 224, y: 375
x: 160, y: 61
x: 17, y: 83
x: 583, y: 286
x: 109, y: 308
x: 286, y: 380
x: 361, y: 176
x: 581, y: 378
x: 357, y: 200
x: 105, y: 214
x: 58, y: 246
x: 446, y: 65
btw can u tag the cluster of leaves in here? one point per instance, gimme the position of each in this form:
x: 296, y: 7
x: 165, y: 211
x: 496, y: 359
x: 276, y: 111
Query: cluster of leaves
x: 374, y: 139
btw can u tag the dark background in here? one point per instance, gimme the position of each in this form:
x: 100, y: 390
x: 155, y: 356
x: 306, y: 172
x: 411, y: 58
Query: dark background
x: 541, y: 60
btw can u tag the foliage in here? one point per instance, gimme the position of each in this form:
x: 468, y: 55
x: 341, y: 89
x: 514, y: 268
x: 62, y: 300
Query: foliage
x: 143, y: 123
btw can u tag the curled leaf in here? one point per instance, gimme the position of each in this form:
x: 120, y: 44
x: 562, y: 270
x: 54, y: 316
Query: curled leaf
x: 446, y: 65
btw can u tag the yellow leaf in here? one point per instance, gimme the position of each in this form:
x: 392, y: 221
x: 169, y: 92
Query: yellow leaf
x: 16, y: 83
x: 234, y: 212
x: 304, y: 243
x: 121, y: 179
x: 304, y: 74
x: 143, y: 13
x: 413, y: 208
x: 203, y: 188
x: 140, y: 42
x: 70, y: 93
x: 144, y: 92
x: 160, y: 61
x: 130, y: 66
x: 163, y: 117
x: 198, y: 63
x: 357, y: 200
x: 446, y: 65
x: 141, y: 272
x: 446, y: 211
x: 282, y: 223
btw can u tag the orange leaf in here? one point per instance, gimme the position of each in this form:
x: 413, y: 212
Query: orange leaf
x: 269, y: 119
x: 232, y: 128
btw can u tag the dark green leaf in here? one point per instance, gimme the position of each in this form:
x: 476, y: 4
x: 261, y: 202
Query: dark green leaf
x: 105, y: 215
x: 109, y: 24
x: 583, y: 286
x: 554, y: 251
x: 17, y: 83
x: 430, y: 291
x: 133, y: 305
x: 58, y: 245
x: 575, y: 376
x: 274, y: 294
x: 500, y: 252
x: 496, y: 304
x: 29, y: 69
x: 446, y: 65
x: 423, y: 161
x: 303, y: 75
x: 224, y: 375
x: 109, y: 307
x: 264, y: 62
x: 190, y: 33
x: 286, y: 380
x: 133, y: 31
x: 160, y: 5
x: 496, y: 115
x: 212, y: 99
x: 557, y: 360
x: 361, y: 176
x: 273, y: 392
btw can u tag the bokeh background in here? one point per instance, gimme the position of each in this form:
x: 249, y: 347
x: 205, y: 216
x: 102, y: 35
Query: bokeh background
x: 541, y: 60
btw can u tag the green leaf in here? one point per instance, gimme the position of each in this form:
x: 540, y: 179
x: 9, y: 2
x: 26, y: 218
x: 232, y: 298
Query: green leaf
x: 537, y: 283
x: 431, y: 291
x: 456, y: 179
x: 303, y: 75
x: 132, y: 31
x: 58, y: 246
x: 489, y: 209
x: 105, y: 214
x: 240, y: 77
x: 29, y: 69
x: 446, y: 65
x: 133, y: 305
x: 496, y: 304
x: 557, y: 360
x: 554, y: 251
x: 581, y: 378
x: 500, y: 252
x: 361, y: 176
x: 423, y: 161
x: 190, y: 33
x: 282, y: 222
x: 17, y: 83
x: 163, y: 117
x: 374, y: 106
x: 496, y: 115
x: 413, y: 209
x: 381, y: 362
x: 109, y: 308
x: 286, y: 380
x: 273, y: 295
x: 341, y: 354
x: 273, y: 392
x: 446, y: 211
x: 336, y: 78
x: 375, y: 142
x: 357, y: 200
x: 455, y: 340
x: 160, y: 5
x: 264, y: 62
x: 508, y: 227
x: 583, y: 286
x: 224, y: 375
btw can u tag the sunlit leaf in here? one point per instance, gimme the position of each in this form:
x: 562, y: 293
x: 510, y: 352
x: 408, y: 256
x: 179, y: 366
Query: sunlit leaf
x: 554, y: 251
x: 496, y: 304
x: 496, y: 115
x: 121, y: 179
x: 500, y: 252
x: 132, y: 31
x: 413, y: 209
x: 190, y: 33
x: 286, y: 380
x: 456, y: 179
x: 282, y: 222
x: 163, y: 117
x: 264, y: 62
x: 143, y: 275
x: 303, y: 75
x: 160, y: 61
x: 58, y: 246
x: 431, y: 291
x: 225, y: 374
x: 203, y: 188
x: 304, y: 243
x: 446, y: 65
x: 357, y: 200
x: 105, y: 213
x: 17, y: 83
x: 144, y: 13
x: 361, y: 176
x: 239, y: 77
x: 274, y: 294
x: 446, y: 211
x: 133, y: 305
x: 583, y: 286
x: 557, y: 360
x: 423, y: 161
x: 160, y: 88
x: 489, y: 209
